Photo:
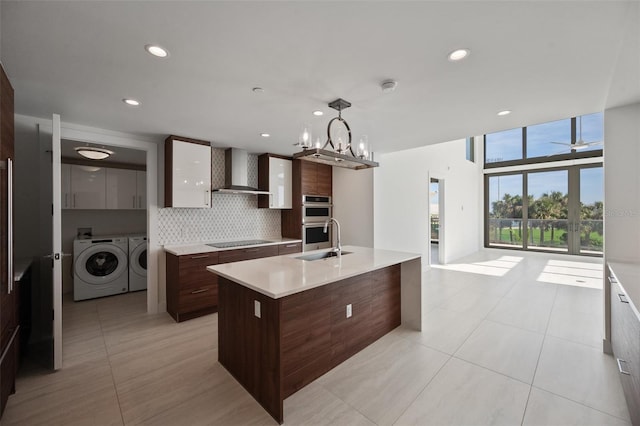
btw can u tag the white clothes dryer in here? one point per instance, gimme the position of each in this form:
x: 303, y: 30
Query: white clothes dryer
x: 137, y: 263
x: 100, y: 267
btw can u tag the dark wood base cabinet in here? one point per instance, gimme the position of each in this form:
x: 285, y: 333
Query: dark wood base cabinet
x: 300, y: 337
x: 625, y: 341
x: 192, y: 291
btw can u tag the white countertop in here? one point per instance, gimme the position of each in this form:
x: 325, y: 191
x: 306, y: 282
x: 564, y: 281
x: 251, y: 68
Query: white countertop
x: 195, y: 248
x: 628, y: 276
x: 281, y: 276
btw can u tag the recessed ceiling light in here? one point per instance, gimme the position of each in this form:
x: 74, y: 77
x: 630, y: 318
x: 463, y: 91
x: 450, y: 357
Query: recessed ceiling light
x: 265, y: 135
x: 131, y: 102
x: 318, y: 113
x: 93, y: 153
x: 156, y: 50
x: 505, y: 112
x: 459, y: 54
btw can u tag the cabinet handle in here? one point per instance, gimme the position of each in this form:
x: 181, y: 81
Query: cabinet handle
x: 139, y: 201
x: 202, y: 290
x: 290, y: 245
x: 10, y: 278
x: 66, y: 200
x: 625, y: 372
x: 251, y: 250
x: 74, y: 200
x: 623, y: 298
x: 203, y: 256
x: 134, y: 201
x: 612, y: 279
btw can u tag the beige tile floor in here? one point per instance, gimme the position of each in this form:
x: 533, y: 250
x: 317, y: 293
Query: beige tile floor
x: 508, y: 338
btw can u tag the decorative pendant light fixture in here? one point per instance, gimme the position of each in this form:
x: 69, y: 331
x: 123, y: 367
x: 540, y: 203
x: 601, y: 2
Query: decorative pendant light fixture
x: 337, y: 150
x: 93, y: 153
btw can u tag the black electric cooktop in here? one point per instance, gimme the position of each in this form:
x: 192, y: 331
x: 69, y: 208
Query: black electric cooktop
x: 239, y: 243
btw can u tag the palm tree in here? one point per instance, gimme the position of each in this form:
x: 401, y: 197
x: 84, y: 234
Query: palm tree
x: 509, y: 207
x: 559, y: 208
x: 542, y: 209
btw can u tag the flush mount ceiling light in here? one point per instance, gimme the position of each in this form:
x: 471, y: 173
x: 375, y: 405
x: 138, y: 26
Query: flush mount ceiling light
x: 458, y: 54
x: 337, y: 150
x: 504, y: 112
x: 157, y: 51
x: 131, y: 102
x: 318, y: 113
x: 93, y: 153
x: 265, y: 135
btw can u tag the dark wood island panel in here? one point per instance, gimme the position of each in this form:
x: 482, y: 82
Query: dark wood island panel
x: 300, y: 337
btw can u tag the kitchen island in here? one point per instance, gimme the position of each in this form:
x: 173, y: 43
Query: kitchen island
x: 283, y: 321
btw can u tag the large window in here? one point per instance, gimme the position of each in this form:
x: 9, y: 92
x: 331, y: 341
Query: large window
x: 570, y: 138
x: 549, y: 139
x: 548, y: 210
x: 505, y: 210
x: 503, y: 146
x: 563, y: 207
x: 562, y: 212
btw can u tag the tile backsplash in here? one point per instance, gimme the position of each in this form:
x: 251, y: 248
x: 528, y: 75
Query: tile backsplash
x: 231, y: 216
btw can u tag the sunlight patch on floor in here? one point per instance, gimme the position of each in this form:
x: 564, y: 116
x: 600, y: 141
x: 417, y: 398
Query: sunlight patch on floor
x: 578, y: 274
x: 495, y: 268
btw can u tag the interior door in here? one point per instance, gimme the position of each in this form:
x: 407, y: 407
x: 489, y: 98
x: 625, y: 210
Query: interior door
x: 56, y: 252
x: 45, y: 343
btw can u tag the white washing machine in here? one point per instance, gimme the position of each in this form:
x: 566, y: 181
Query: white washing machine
x: 137, y: 263
x: 100, y: 267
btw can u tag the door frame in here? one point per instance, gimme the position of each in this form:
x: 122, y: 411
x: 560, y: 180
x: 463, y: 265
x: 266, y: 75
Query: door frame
x: 56, y: 210
x: 441, y: 217
x: 155, y: 294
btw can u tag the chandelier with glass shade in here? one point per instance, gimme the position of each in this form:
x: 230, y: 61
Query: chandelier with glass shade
x: 338, y: 150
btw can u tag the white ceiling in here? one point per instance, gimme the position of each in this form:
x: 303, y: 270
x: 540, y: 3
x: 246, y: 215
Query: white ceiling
x: 543, y: 60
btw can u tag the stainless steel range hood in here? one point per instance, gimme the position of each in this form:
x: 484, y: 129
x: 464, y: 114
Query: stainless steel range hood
x: 236, y: 175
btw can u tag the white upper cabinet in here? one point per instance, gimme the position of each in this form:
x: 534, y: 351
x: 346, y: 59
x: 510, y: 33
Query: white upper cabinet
x: 121, y: 189
x: 141, y: 190
x: 275, y: 175
x: 187, y: 173
x: 280, y: 183
x: 88, y: 187
x: 65, y: 182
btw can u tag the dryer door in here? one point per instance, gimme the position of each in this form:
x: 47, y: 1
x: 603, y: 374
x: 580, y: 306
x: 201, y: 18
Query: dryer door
x: 138, y: 259
x: 101, y: 264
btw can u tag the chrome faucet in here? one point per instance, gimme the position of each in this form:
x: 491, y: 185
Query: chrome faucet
x: 338, y: 249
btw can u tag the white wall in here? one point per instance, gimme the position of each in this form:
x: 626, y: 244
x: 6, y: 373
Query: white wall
x: 353, y: 205
x: 401, y: 200
x: 622, y: 183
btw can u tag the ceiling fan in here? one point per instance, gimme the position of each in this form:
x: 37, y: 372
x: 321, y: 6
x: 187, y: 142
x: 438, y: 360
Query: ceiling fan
x: 580, y: 143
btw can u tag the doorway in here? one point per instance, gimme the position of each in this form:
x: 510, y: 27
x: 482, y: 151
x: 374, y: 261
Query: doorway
x: 36, y: 135
x: 436, y: 221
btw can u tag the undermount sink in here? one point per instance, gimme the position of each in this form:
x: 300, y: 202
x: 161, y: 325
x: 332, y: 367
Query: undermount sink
x: 322, y: 255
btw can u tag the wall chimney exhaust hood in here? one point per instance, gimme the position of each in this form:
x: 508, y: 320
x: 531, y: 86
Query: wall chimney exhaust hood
x: 236, y: 175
